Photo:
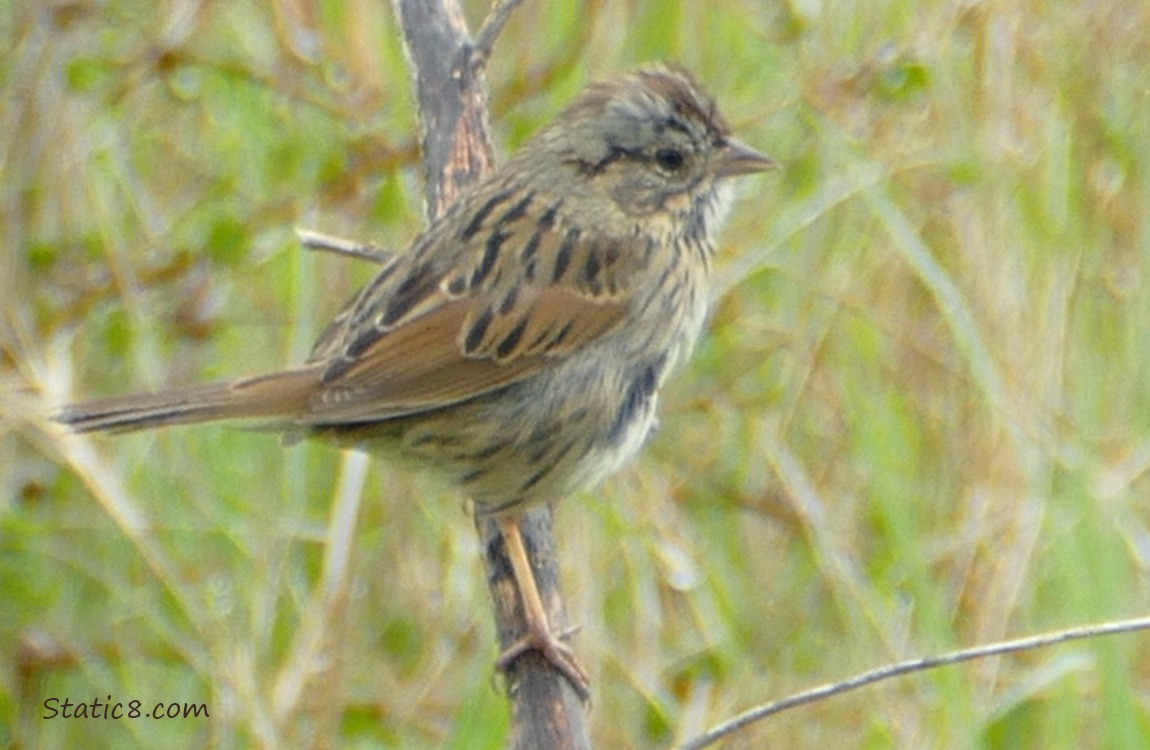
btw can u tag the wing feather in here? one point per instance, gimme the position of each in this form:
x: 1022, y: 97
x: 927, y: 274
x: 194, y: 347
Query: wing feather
x: 521, y: 291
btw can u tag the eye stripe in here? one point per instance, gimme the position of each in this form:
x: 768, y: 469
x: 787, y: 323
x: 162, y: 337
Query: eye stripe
x: 614, y: 154
x: 675, y: 123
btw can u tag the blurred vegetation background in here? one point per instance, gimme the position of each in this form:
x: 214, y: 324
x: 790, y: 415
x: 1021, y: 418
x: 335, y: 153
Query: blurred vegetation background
x: 920, y: 421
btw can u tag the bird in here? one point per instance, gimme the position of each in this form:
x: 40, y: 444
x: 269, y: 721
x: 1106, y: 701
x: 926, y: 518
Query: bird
x: 519, y: 345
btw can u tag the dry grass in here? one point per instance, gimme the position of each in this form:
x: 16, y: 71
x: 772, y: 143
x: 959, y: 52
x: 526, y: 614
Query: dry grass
x: 920, y: 422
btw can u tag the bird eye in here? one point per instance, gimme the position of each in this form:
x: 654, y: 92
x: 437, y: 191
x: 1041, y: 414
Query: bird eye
x: 670, y: 159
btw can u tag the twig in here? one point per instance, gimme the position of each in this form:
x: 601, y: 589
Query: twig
x: 914, y: 665
x: 492, y: 26
x: 340, y: 246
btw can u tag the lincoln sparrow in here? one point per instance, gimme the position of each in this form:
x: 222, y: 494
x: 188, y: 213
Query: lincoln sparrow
x: 519, y: 345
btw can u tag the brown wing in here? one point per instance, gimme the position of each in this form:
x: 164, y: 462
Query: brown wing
x: 443, y: 324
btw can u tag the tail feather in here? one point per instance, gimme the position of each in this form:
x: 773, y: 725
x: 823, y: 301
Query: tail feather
x: 279, y: 396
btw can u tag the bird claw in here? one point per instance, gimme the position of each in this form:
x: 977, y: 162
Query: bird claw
x: 558, y: 654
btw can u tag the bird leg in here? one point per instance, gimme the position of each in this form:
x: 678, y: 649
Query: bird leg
x: 539, y: 636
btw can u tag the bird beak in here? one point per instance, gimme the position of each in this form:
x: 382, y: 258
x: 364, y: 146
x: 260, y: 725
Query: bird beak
x: 737, y: 158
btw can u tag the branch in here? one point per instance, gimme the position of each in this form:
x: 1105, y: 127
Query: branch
x: 340, y: 246
x: 913, y: 665
x: 452, y: 102
x: 492, y: 27
x: 449, y: 70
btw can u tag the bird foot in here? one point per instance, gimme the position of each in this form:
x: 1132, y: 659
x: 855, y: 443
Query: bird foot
x: 555, y: 651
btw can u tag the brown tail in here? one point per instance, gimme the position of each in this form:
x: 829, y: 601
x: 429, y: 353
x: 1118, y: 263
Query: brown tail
x: 278, y: 396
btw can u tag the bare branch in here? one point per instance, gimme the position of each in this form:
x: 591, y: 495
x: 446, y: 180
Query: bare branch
x: 492, y: 27
x: 340, y: 246
x: 452, y: 102
x: 914, y: 665
x: 449, y: 79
